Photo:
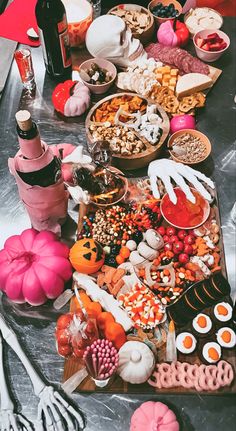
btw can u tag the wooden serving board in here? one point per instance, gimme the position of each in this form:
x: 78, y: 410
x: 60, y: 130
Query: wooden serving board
x: 117, y: 385
x: 214, y: 75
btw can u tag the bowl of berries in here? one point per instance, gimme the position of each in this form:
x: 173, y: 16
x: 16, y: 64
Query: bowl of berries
x: 165, y: 10
x: 210, y: 46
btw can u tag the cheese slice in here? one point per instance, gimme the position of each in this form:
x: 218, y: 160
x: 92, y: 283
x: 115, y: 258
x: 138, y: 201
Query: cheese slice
x: 192, y: 83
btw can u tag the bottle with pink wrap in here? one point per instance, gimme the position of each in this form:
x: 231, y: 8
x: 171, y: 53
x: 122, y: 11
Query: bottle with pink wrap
x: 38, y: 176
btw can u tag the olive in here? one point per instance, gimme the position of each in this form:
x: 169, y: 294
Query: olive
x: 102, y: 76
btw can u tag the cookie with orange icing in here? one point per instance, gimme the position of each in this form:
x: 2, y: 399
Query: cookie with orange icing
x: 202, y: 325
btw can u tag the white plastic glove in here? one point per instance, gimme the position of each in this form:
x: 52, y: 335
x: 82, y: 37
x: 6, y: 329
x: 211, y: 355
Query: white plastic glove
x: 79, y: 159
x: 78, y: 194
x: 168, y: 169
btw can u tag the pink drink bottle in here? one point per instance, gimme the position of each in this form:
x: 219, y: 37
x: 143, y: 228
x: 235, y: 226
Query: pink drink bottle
x: 38, y: 176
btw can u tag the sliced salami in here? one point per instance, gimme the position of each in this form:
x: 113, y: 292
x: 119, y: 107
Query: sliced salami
x: 177, y: 57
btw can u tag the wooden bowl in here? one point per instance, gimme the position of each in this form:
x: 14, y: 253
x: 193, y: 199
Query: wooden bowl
x: 146, y: 36
x: 135, y: 161
x: 192, y: 132
x: 159, y: 20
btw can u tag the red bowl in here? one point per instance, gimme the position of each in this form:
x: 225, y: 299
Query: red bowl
x: 185, y: 215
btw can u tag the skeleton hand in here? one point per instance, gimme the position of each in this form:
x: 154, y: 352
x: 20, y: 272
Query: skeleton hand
x: 10, y: 421
x: 58, y: 414
x: 168, y: 169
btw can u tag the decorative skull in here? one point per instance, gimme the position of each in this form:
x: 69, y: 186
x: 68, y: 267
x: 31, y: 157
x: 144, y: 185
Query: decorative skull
x: 108, y: 37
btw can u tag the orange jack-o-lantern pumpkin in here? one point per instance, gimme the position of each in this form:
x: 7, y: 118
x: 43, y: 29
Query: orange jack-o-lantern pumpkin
x: 87, y: 256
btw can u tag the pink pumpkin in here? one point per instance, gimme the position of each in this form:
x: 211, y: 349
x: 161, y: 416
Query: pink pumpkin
x: 61, y: 151
x: 34, y: 267
x: 152, y: 416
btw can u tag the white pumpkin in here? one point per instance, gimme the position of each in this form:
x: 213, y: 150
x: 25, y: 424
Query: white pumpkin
x: 136, y: 362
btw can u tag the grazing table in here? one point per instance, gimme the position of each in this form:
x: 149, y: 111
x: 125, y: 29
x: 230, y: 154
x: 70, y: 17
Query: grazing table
x: 36, y: 327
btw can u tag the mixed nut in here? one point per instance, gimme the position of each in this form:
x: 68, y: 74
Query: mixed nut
x: 122, y: 140
x: 188, y: 148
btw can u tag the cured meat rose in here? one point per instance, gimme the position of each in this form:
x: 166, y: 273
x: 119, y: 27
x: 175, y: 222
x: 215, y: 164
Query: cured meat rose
x: 177, y: 57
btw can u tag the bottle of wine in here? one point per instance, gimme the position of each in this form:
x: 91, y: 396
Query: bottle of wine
x: 35, y: 166
x: 38, y: 177
x: 53, y: 33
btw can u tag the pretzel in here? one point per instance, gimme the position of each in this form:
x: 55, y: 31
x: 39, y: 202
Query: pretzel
x: 187, y: 103
x: 170, y: 104
x: 203, y: 377
x: 201, y: 98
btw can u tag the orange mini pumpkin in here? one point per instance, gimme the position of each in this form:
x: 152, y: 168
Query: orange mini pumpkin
x: 87, y: 256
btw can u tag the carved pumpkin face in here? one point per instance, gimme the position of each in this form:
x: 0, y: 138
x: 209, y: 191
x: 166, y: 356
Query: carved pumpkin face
x: 87, y: 256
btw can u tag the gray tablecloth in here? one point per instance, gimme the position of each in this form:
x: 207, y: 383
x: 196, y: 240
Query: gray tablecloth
x: 7, y: 48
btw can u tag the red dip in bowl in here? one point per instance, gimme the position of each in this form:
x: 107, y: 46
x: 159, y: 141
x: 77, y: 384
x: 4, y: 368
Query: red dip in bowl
x: 185, y: 214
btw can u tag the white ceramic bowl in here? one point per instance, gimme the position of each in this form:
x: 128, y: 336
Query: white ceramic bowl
x: 210, y: 56
x: 104, y: 64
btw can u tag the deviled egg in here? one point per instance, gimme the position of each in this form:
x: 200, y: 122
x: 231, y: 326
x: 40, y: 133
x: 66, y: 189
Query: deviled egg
x: 223, y: 312
x: 202, y: 324
x: 186, y: 342
x: 226, y: 337
x: 211, y: 352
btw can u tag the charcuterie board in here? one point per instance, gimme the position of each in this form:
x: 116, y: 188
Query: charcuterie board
x: 117, y: 385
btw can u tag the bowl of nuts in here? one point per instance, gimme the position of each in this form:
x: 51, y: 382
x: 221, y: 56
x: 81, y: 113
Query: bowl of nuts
x: 138, y: 19
x: 189, y: 146
x: 98, y: 74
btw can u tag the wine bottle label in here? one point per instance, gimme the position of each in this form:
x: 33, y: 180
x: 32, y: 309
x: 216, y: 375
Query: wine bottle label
x: 45, y: 56
x: 64, y: 41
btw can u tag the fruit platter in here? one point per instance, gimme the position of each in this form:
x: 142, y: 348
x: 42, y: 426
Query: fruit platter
x: 168, y: 289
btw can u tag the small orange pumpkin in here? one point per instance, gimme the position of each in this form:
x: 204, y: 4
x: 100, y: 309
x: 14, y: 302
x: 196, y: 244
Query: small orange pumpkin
x: 87, y: 256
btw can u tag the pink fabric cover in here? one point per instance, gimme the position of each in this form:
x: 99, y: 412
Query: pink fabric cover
x: 154, y: 416
x: 79, y: 102
x: 46, y: 206
x: 34, y: 267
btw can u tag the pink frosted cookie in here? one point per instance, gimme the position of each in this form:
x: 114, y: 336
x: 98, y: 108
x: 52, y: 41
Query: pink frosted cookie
x: 154, y: 416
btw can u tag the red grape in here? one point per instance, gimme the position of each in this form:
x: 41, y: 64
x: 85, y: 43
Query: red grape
x: 188, y: 249
x: 170, y: 231
x: 181, y: 234
x: 183, y: 258
x: 161, y: 230
x: 178, y: 247
x: 168, y: 246
x: 174, y: 239
x: 189, y: 239
x: 166, y: 238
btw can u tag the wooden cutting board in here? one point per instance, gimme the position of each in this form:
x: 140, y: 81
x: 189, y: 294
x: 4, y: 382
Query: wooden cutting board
x: 117, y: 385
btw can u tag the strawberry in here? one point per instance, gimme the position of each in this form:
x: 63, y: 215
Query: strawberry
x: 200, y: 42
x: 212, y: 36
x: 217, y: 46
x: 206, y: 47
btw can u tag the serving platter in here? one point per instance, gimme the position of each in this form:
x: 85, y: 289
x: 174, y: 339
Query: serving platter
x: 117, y: 385
x: 150, y: 153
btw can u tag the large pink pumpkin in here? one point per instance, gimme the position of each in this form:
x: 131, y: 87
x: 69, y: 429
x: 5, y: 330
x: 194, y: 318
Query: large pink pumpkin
x: 154, y: 416
x: 34, y: 267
